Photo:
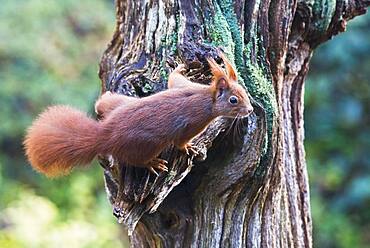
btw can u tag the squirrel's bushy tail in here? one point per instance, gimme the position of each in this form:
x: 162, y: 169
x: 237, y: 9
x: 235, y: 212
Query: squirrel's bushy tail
x: 59, y: 139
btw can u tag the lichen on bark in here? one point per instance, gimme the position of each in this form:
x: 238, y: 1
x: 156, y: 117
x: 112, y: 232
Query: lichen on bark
x: 250, y: 188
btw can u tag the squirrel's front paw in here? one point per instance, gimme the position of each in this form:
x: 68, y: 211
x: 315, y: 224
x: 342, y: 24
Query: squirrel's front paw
x: 190, y: 149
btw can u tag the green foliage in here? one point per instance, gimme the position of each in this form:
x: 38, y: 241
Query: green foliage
x: 49, y: 53
x: 337, y: 142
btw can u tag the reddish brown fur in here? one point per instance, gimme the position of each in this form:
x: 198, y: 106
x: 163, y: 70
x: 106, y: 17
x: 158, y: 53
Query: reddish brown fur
x: 133, y: 131
x: 109, y: 101
x: 219, y: 80
x: 177, y: 80
x: 229, y: 68
x: 60, y: 138
x: 138, y: 132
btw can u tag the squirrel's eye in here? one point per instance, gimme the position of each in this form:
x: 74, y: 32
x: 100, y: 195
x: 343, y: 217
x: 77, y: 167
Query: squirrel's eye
x: 233, y: 100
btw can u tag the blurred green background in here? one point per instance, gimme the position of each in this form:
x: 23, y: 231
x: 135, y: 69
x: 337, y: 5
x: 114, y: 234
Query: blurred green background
x: 49, y: 54
x: 337, y: 130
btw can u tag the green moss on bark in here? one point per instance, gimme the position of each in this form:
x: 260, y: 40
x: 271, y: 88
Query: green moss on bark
x: 255, y: 75
x: 260, y: 84
x: 169, y: 43
x: 323, y: 11
x: 227, y: 8
x: 220, y: 33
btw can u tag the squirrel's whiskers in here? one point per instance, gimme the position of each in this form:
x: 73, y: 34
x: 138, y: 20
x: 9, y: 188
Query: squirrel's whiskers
x: 135, y: 131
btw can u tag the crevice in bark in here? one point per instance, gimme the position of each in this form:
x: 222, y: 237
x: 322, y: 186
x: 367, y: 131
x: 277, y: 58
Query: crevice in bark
x: 250, y: 186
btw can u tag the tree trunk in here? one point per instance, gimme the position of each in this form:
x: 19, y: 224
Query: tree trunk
x: 250, y: 189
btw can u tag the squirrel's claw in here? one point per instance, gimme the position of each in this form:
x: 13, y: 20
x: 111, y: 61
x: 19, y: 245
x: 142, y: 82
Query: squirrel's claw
x: 153, y: 171
x: 191, y: 149
x: 157, y: 164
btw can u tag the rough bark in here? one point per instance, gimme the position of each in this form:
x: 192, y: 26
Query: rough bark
x: 250, y: 188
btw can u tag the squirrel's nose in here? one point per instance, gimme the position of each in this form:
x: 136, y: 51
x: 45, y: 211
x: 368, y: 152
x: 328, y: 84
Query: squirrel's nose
x: 246, y: 111
x: 249, y: 110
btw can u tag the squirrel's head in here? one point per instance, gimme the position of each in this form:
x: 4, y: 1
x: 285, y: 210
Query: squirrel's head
x: 230, y: 98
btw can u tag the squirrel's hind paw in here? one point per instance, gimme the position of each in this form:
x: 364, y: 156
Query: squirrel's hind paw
x: 157, y: 164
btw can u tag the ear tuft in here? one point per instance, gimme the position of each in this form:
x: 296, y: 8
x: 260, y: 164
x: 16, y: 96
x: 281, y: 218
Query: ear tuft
x: 216, y: 70
x: 219, y: 80
x: 231, y: 73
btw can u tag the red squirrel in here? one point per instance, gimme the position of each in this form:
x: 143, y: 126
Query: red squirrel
x: 134, y: 130
x: 109, y: 101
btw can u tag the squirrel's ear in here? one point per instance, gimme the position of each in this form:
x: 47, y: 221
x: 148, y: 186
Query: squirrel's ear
x: 229, y: 68
x: 221, y: 84
x: 219, y: 80
x: 216, y: 70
